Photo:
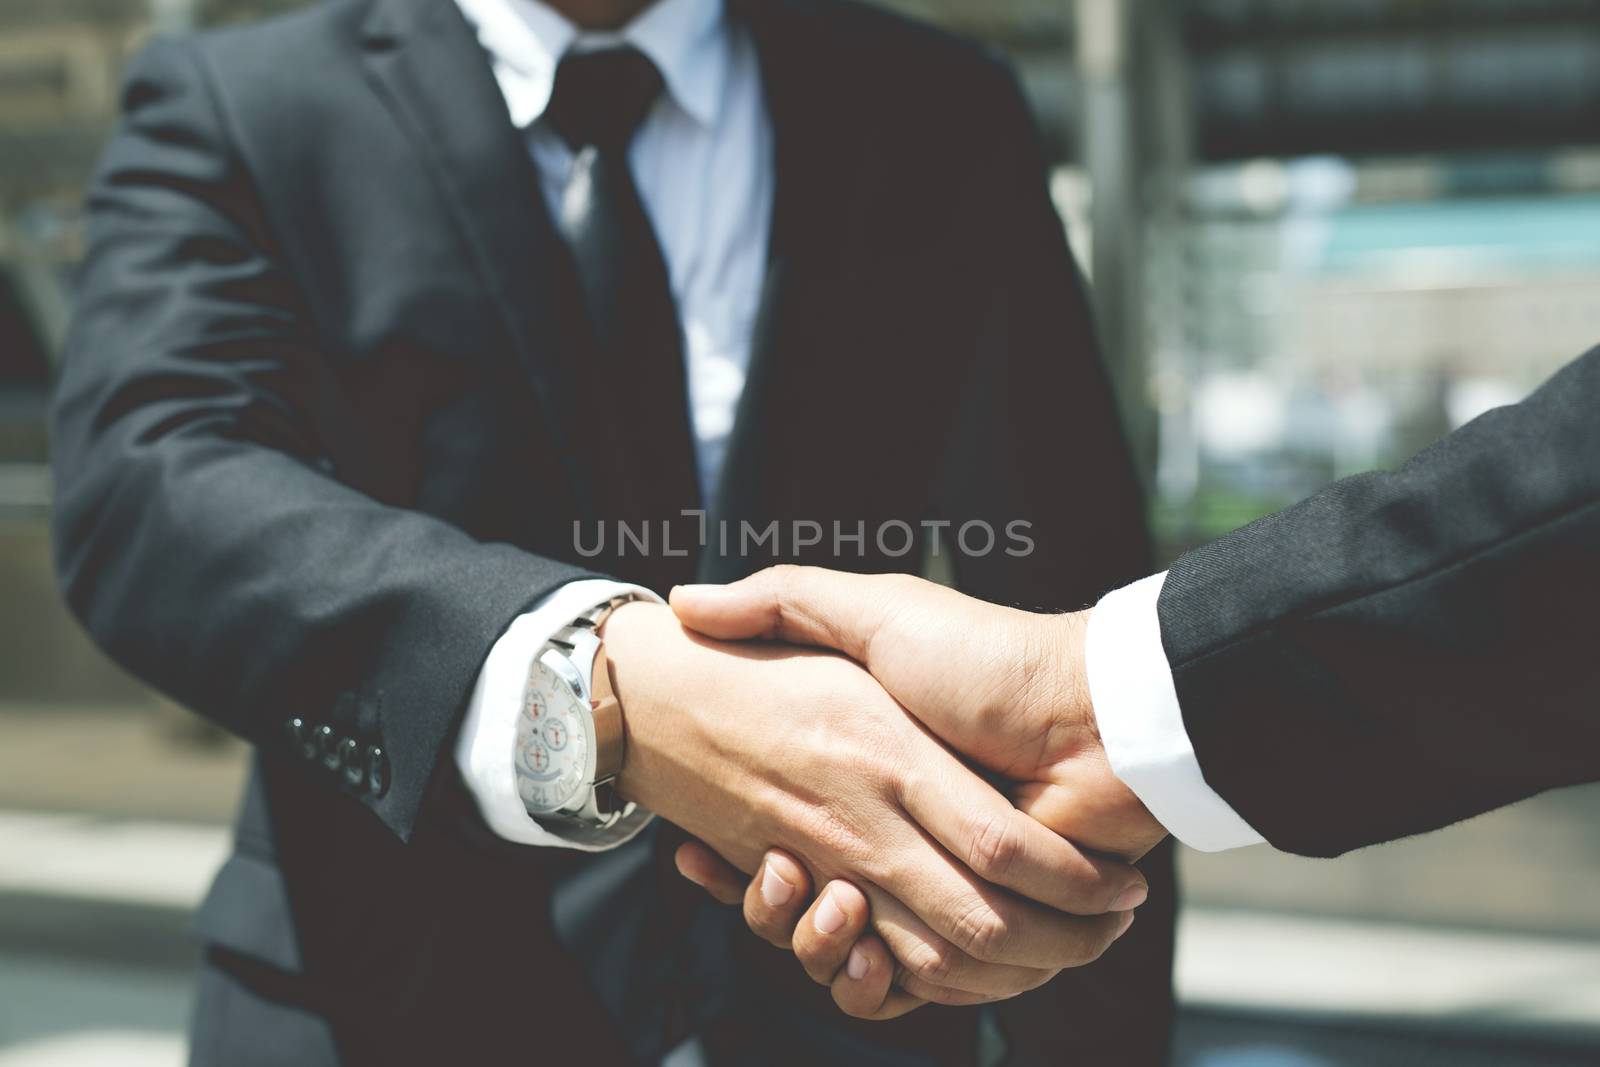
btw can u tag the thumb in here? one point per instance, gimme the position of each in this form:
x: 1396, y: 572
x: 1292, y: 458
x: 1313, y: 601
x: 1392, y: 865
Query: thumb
x: 801, y: 605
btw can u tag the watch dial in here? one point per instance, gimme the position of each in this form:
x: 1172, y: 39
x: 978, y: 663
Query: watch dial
x: 552, y: 745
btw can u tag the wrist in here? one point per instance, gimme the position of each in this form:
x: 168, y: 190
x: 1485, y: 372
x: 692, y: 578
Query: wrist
x: 631, y: 636
x: 1077, y: 794
x: 1058, y: 669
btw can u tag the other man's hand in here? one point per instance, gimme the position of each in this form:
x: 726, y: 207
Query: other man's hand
x: 1006, y: 688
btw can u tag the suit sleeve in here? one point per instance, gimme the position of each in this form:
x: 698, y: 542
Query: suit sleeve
x: 201, y: 534
x: 1408, y: 649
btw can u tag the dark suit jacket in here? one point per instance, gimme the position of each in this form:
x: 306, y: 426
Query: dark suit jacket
x: 1405, y: 649
x: 319, y: 439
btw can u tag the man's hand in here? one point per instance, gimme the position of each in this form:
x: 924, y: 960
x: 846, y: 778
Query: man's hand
x: 1005, y: 688
x: 751, y: 747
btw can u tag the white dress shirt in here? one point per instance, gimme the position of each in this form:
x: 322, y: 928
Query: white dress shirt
x: 703, y: 163
x: 1141, y: 725
x: 702, y: 160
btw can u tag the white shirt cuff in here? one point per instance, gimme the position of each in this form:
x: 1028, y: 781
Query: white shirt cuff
x: 1141, y: 724
x: 486, y: 746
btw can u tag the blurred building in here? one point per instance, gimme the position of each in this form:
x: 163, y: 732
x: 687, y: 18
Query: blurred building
x: 60, y: 69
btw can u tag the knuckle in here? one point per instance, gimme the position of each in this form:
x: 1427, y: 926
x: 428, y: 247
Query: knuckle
x: 931, y: 962
x: 995, y: 845
x: 1090, y: 954
x: 831, y: 832
x: 781, y: 574
x: 994, y: 711
x: 818, y: 975
x: 983, y: 932
x: 1108, y: 892
x: 954, y: 998
x: 1039, y: 979
x: 882, y: 756
x: 784, y: 585
x: 765, y: 925
x: 812, y: 961
x: 894, y: 779
x: 1095, y: 947
x: 898, y: 585
x: 1091, y: 946
x: 847, y: 1004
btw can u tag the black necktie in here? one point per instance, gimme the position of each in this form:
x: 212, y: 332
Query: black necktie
x: 635, y: 383
x: 648, y: 465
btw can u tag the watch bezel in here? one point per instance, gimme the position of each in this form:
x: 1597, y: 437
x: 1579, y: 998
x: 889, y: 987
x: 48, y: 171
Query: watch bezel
x: 574, y: 689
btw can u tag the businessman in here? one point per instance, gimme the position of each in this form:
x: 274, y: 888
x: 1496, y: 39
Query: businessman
x: 418, y: 346
x: 1398, y: 652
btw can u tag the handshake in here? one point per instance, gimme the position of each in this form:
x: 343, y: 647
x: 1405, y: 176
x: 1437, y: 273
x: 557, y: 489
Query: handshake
x: 813, y: 728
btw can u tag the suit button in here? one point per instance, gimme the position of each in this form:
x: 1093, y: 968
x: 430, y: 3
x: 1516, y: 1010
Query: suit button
x: 300, y: 737
x: 325, y: 746
x: 377, y: 771
x: 355, y: 767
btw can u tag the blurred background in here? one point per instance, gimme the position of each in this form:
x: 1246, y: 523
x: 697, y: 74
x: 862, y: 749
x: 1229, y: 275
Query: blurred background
x: 1321, y: 233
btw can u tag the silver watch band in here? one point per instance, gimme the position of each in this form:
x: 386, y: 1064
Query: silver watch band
x: 573, y: 642
x: 601, y: 809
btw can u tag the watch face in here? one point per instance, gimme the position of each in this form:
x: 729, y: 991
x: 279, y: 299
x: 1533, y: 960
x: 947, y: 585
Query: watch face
x: 552, y: 756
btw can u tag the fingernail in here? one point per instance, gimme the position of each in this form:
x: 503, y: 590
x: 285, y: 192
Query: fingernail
x: 859, y: 964
x: 830, y: 917
x: 774, y: 890
x: 1131, y: 898
x: 1127, y: 921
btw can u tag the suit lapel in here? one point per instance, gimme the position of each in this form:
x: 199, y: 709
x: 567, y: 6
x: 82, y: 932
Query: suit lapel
x: 425, y: 62
x: 427, y: 66
x: 818, y: 156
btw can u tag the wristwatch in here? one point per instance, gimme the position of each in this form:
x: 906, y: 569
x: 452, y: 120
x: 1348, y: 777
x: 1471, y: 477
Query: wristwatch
x: 570, y: 737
